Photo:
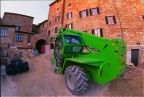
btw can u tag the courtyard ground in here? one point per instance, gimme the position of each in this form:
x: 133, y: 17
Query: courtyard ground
x: 41, y: 81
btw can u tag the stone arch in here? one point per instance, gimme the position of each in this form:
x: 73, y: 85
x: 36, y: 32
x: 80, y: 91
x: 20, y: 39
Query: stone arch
x: 39, y: 44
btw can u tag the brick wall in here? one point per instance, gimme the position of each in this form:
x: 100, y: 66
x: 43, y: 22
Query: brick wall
x: 24, y: 43
x: 8, y: 39
x: 25, y: 22
x: 130, y: 13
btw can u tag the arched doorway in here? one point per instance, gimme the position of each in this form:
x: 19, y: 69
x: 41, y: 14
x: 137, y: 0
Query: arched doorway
x: 40, y: 46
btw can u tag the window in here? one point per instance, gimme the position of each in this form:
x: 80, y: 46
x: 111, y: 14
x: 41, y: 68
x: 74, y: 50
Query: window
x: 29, y: 39
x: 49, y: 22
x: 69, y: 15
x: 17, y: 28
x: 94, y: 11
x: 58, y: 9
x: 119, y: 36
x: 85, y: 31
x: 83, y: 13
x: 143, y: 17
x: 48, y: 33
x: 3, y: 32
x: 110, y: 20
x: 70, y: 26
x: 57, y: 18
x: 19, y: 37
x: 56, y: 29
x: 98, y: 32
x: 69, y: 4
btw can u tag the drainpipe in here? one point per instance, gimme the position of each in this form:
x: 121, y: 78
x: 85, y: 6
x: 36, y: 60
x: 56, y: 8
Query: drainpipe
x: 118, y: 18
x: 63, y: 12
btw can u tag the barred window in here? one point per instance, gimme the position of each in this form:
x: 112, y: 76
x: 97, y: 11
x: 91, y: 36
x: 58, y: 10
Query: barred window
x: 19, y: 37
x: 70, y: 26
x: 110, y: 20
x: 69, y: 15
x: 57, y: 18
x: 98, y: 32
x: 56, y: 29
x: 3, y: 32
x: 83, y: 13
x: 94, y: 11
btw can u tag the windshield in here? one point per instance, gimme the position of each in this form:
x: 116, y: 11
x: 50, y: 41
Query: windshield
x: 71, y: 39
x: 73, y: 49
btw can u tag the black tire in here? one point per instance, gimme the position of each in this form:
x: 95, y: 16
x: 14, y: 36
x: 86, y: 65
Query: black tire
x: 76, y: 80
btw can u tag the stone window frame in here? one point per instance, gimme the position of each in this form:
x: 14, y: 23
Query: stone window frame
x: 69, y: 15
x: 56, y: 29
x: 3, y: 32
x: 110, y: 20
x: 19, y: 37
x: 94, y: 11
x: 70, y: 25
x: 83, y: 13
x: 57, y: 18
x: 98, y: 32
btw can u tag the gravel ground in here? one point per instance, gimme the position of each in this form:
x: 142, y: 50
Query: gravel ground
x: 41, y: 81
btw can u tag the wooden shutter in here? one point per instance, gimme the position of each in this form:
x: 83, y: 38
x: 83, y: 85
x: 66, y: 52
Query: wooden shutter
x: 93, y: 31
x: 87, y: 12
x: 80, y: 14
x: 114, y: 19
x: 101, y: 32
x: 106, y: 18
x: 98, y: 10
x: 90, y: 12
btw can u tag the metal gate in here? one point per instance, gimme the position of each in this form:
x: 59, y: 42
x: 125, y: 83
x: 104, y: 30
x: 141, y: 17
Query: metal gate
x: 134, y: 56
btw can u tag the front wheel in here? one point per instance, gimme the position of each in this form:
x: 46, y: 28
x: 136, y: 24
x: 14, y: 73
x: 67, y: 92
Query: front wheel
x: 76, y: 79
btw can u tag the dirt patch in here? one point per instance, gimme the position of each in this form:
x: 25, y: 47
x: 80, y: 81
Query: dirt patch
x: 132, y: 84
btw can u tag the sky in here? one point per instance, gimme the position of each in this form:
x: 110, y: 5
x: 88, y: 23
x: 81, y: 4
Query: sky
x: 35, y: 8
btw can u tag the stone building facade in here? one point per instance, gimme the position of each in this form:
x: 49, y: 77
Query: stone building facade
x: 105, y: 18
x: 16, y: 30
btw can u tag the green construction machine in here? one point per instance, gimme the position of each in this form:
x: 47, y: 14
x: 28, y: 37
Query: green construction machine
x: 82, y: 57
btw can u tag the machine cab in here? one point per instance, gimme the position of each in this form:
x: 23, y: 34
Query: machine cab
x: 67, y: 46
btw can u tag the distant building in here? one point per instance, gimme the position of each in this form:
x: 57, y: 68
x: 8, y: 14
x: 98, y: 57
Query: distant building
x: 104, y: 18
x: 18, y: 30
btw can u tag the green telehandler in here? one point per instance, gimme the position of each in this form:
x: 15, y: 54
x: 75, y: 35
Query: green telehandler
x: 82, y: 57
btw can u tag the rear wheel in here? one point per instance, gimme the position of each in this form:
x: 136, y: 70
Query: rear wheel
x: 76, y: 80
x: 53, y: 67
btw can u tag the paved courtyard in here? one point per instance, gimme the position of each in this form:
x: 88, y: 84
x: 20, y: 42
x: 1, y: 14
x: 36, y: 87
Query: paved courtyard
x: 41, y: 81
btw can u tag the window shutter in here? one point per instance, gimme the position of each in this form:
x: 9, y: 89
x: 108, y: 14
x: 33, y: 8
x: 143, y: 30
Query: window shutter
x: 87, y: 12
x: 114, y: 19
x: 93, y: 32
x: 101, y: 32
x: 71, y: 25
x: 80, y: 14
x: 98, y: 10
x: 106, y: 18
x: 71, y: 15
x: 90, y: 12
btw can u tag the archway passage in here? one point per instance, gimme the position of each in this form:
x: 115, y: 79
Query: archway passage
x: 40, y: 46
